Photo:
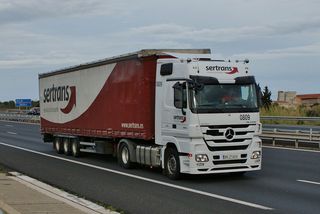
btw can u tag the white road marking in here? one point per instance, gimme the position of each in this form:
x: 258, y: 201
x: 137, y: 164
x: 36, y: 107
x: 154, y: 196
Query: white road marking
x: 12, y: 133
x: 249, y: 204
x: 310, y: 182
x: 293, y: 149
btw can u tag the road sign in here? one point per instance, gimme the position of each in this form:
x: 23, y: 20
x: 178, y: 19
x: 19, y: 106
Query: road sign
x: 23, y: 103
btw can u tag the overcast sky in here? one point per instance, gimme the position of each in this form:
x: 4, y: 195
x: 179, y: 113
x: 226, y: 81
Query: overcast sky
x: 280, y: 37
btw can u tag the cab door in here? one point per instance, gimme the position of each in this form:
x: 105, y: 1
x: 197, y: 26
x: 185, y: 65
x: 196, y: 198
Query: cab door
x: 175, y: 108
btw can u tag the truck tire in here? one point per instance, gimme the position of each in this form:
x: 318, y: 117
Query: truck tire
x: 124, y: 156
x: 172, y: 163
x: 75, y: 148
x: 57, y: 143
x: 66, y: 146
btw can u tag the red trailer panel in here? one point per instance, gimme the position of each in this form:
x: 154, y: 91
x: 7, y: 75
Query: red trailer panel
x: 124, y: 107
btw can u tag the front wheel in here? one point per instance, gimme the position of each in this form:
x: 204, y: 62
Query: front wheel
x: 124, y: 156
x: 172, y: 164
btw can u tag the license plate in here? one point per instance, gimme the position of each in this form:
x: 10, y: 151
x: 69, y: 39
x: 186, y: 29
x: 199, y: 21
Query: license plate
x: 229, y: 157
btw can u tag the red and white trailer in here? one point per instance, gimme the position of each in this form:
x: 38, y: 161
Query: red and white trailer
x: 146, y: 107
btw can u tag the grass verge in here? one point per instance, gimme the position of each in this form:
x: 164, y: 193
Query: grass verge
x: 301, y: 111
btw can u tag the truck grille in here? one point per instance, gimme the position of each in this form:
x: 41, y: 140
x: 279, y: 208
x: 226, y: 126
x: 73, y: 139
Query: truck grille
x: 231, y: 141
x: 216, y: 139
x: 242, y: 126
x: 226, y: 148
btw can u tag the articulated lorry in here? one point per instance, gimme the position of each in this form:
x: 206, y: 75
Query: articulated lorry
x: 178, y: 109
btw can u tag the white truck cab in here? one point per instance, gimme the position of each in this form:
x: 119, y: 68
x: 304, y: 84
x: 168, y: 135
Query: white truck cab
x: 207, y: 116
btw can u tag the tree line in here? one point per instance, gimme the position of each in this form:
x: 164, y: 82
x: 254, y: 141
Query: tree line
x: 11, y: 104
x: 266, y: 100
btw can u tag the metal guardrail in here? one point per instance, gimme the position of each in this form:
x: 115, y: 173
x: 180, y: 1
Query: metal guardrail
x: 20, y: 117
x: 290, y: 118
x: 17, y: 116
x: 308, y: 138
x: 297, y: 136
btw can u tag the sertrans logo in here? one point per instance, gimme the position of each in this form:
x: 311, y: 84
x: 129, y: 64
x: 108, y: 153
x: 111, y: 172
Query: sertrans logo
x: 179, y: 118
x: 60, y: 94
x: 225, y: 69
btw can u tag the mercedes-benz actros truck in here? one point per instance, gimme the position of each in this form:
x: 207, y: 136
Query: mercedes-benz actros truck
x: 178, y: 109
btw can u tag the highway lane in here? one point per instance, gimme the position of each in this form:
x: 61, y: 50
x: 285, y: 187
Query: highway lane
x: 276, y: 186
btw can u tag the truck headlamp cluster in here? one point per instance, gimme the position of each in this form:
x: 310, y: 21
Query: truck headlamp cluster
x: 201, y: 158
x: 256, y: 155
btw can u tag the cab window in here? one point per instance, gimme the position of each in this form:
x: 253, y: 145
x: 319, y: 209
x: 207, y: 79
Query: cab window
x: 180, y: 95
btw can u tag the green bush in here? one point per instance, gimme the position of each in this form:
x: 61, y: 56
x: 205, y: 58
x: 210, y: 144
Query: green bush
x: 314, y: 111
x: 301, y: 111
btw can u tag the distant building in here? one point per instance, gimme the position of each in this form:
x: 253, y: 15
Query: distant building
x: 291, y: 99
x: 308, y: 99
x: 287, y: 98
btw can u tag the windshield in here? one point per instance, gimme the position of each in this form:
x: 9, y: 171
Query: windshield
x: 224, y: 98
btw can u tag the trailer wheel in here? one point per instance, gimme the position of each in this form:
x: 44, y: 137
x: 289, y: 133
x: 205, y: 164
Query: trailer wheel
x: 57, y: 143
x: 66, y: 146
x: 75, y: 148
x: 172, y: 163
x: 124, y: 156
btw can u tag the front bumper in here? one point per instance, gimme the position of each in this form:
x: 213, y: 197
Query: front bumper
x: 222, y: 161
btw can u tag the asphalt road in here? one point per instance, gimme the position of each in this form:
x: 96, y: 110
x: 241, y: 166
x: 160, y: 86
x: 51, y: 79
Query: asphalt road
x: 288, y: 183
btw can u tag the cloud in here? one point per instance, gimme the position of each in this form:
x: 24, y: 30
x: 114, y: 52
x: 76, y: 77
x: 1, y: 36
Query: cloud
x: 25, y: 49
x: 176, y: 32
x: 305, y: 50
x: 13, y: 11
x: 32, y: 61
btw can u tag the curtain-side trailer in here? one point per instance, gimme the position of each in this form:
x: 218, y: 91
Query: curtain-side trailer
x: 178, y: 109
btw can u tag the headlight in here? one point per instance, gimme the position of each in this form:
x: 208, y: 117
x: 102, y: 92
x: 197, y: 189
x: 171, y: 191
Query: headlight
x: 256, y: 155
x: 202, y: 158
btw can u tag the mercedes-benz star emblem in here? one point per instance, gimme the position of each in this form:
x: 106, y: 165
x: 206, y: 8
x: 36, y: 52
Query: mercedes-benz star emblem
x: 229, y: 134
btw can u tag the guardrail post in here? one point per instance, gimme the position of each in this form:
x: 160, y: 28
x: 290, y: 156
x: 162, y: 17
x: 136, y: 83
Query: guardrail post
x: 274, y: 139
x: 310, y: 134
x: 296, y: 141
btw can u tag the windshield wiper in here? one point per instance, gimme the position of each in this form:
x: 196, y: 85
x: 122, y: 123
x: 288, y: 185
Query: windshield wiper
x: 237, y: 105
x: 241, y: 105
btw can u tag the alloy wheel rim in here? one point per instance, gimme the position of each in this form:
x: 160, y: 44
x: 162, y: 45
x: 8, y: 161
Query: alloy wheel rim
x: 125, y: 155
x: 66, y: 148
x: 172, y: 165
x: 74, y: 149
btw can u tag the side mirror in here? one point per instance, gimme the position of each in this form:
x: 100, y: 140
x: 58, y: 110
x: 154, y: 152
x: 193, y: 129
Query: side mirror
x: 166, y: 69
x: 177, y: 86
x: 259, y: 95
x: 179, y: 96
